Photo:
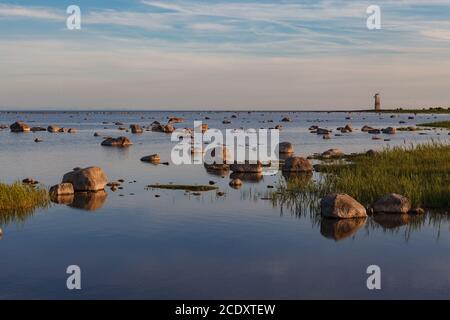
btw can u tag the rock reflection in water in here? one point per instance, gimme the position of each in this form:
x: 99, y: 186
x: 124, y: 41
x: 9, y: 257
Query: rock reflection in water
x: 391, y: 221
x: 249, y: 177
x: 89, y: 201
x: 340, y: 229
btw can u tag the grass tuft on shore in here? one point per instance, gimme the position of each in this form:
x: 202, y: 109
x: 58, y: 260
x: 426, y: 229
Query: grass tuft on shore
x: 18, y: 201
x: 419, y: 172
x: 438, y: 124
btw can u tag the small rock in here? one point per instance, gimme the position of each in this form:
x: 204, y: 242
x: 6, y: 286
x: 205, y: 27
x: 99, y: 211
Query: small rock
x: 117, y: 142
x: 417, y: 211
x: 212, y: 183
x: 297, y: 164
x: 30, y: 181
x: 333, y: 153
x: 38, y: 140
x: 19, y: 126
x: 236, y: 183
x: 392, y: 203
x: 61, y: 189
x: 154, y: 158
x: 285, y: 147
x: 220, y: 193
x: 135, y: 128
x: 53, y: 129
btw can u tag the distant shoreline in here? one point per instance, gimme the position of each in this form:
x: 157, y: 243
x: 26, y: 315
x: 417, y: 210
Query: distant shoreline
x: 399, y: 111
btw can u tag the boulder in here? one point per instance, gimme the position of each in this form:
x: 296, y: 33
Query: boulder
x: 19, y: 126
x: 36, y: 129
x: 236, y: 183
x: 366, y: 128
x: 297, y: 164
x: 175, y: 120
x: 285, y: 147
x: 286, y: 119
x: 88, y: 179
x: 168, y: 128
x: 117, y: 142
x: 341, y: 206
x: 53, y: 129
x: 135, y: 128
x: 322, y: 131
x: 392, y: 203
x: 61, y: 189
x: 246, y: 167
x: 154, y: 158
x: 333, y: 153
x: 390, y: 130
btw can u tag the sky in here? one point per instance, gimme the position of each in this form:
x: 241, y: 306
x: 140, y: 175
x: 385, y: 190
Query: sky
x: 223, y: 55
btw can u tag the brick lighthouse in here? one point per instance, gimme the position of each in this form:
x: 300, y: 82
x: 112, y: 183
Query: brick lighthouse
x: 377, y: 102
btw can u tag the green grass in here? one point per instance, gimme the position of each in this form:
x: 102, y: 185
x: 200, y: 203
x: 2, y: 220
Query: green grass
x: 194, y: 188
x: 439, y: 124
x: 18, y: 201
x: 421, y: 173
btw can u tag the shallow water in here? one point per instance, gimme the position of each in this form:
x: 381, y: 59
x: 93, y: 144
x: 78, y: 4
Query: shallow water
x: 130, y: 244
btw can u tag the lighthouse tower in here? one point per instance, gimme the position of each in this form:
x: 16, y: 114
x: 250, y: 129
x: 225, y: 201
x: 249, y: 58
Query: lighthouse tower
x: 377, y: 102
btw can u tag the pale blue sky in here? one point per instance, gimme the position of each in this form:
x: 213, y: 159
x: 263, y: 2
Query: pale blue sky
x: 197, y: 54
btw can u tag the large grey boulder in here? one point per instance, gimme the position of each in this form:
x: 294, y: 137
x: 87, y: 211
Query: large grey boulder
x: 392, y: 203
x: 88, y: 179
x: 341, y: 206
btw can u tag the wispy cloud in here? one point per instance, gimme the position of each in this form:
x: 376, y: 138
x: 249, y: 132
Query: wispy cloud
x: 45, y: 13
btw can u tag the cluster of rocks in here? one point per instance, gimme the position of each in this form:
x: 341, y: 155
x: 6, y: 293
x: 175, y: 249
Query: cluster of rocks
x: 343, y: 206
x: 164, y: 128
x: 20, y: 126
x: 81, y: 188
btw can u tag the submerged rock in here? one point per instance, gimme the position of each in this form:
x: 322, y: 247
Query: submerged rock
x: 53, y: 129
x: 154, y: 158
x: 389, y: 130
x: 392, y: 203
x: 88, y: 179
x: 297, y: 164
x: 19, y: 126
x: 117, y: 142
x: 168, y: 128
x: 236, y: 183
x: 333, y: 153
x: 135, y: 128
x: 341, y: 206
x: 285, y: 147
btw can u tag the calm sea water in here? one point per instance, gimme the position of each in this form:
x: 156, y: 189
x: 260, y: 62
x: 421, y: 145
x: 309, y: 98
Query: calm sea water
x: 131, y: 244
